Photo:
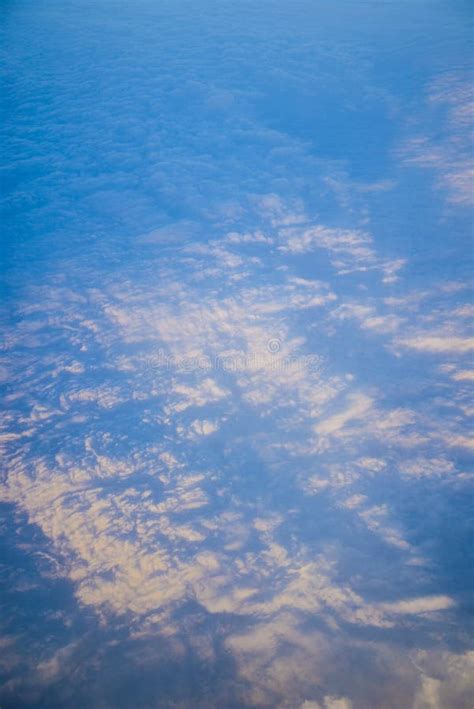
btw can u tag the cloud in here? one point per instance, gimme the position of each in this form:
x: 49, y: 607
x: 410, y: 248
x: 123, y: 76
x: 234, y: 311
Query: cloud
x: 256, y: 237
x: 205, y: 392
x: 448, y: 152
x: 350, y: 251
x: 446, y: 679
x: 464, y: 375
x: 203, y: 428
x: 359, y: 405
x: 236, y: 528
x: 337, y: 703
x: 176, y: 232
x: 416, y: 606
x: 368, y: 317
x: 437, y: 344
x: 354, y: 501
x: 376, y: 519
x: 427, y: 467
x: 373, y: 465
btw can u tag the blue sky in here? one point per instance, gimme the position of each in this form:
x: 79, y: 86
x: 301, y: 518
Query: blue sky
x: 237, y: 354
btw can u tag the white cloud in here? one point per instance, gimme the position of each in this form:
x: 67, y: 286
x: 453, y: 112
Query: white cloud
x: 368, y: 317
x: 204, y: 393
x: 448, y: 156
x: 446, y: 679
x: 359, y: 405
x: 416, y: 606
x: 436, y: 343
x: 373, y: 465
x: 464, y: 375
x: 426, y: 467
x: 354, y: 501
x: 377, y: 520
x: 255, y: 237
x: 337, y: 703
x: 204, y: 427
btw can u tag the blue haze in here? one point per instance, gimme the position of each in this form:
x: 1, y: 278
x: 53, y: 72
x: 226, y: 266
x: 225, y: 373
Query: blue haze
x: 237, y: 354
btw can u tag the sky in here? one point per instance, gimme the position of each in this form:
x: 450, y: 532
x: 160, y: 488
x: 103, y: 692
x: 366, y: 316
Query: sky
x: 237, y: 354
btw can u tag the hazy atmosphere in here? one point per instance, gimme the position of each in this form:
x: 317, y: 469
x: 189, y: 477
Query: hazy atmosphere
x: 237, y: 354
